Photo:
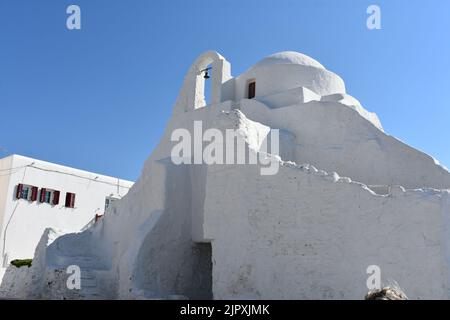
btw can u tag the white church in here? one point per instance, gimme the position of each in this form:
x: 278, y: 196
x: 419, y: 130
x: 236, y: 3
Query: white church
x: 347, y: 196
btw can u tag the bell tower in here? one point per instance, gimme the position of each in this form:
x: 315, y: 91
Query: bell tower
x: 210, y: 66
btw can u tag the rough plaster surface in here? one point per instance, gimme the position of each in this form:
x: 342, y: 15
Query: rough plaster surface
x: 303, y: 235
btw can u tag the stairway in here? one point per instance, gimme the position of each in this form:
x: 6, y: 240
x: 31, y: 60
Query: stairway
x: 89, y: 265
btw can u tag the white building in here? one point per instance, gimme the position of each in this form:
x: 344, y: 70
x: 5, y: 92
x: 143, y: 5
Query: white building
x: 346, y: 196
x: 35, y: 195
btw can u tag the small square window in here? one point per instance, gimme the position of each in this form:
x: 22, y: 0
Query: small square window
x: 70, y: 200
x: 108, y: 202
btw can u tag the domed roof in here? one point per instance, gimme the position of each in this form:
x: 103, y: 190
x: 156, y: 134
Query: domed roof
x: 289, y: 57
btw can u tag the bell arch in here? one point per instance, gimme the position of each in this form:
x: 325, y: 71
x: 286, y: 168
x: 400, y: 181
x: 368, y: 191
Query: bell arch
x: 220, y: 70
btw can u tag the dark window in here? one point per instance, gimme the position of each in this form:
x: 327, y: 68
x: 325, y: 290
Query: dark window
x: 108, y: 202
x: 251, y: 90
x: 70, y: 200
x: 19, y: 191
x: 34, y: 192
x: 55, y: 199
x: 42, y: 196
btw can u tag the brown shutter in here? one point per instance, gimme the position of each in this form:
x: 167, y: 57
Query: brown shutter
x: 55, y: 197
x: 67, y: 202
x: 42, y: 195
x: 34, y: 192
x: 72, y: 200
x: 19, y: 191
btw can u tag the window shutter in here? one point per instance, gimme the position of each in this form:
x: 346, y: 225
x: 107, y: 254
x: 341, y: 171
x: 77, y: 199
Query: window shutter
x: 19, y: 191
x: 72, y: 200
x: 67, y: 202
x: 55, y: 197
x: 42, y: 195
x: 34, y: 192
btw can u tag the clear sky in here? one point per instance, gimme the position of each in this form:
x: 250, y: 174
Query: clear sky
x: 98, y: 98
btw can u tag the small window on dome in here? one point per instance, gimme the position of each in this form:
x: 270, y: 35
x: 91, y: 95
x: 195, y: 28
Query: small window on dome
x: 251, y: 90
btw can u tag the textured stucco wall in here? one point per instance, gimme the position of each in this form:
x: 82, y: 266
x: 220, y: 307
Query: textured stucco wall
x: 301, y: 235
x: 151, y: 232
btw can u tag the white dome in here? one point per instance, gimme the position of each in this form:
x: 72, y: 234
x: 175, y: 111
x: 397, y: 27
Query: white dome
x: 289, y: 57
x: 287, y: 70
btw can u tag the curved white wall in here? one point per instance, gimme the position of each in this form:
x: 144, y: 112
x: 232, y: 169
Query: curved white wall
x: 334, y: 137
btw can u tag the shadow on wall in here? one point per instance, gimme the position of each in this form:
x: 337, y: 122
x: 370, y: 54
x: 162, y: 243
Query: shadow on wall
x: 169, y: 264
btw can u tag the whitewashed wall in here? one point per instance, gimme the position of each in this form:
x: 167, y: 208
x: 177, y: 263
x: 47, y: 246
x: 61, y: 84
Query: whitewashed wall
x: 5, y: 166
x: 335, y: 137
x: 301, y: 235
x: 25, y: 221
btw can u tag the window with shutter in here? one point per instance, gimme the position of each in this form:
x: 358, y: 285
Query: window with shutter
x: 49, y: 196
x: 25, y: 192
x: 70, y: 200
x: 19, y: 191
x: 34, y: 192
x: 42, y: 195
x: 55, y: 200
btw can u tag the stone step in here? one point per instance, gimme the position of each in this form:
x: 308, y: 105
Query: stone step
x: 81, y: 264
x: 87, y: 274
x: 90, y: 294
x: 88, y: 283
x: 86, y: 262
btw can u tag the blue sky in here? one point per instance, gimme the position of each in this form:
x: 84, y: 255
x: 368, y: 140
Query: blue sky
x: 99, y: 98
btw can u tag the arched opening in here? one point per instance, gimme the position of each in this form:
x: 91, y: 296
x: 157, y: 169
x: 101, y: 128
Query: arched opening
x: 204, y: 83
